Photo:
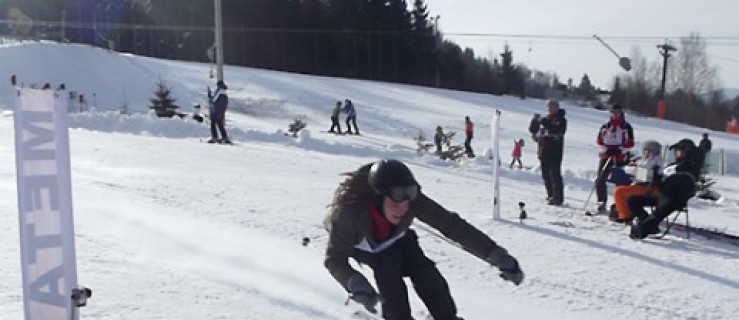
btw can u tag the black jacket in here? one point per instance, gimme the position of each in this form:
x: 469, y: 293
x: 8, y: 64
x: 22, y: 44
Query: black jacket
x: 549, y: 132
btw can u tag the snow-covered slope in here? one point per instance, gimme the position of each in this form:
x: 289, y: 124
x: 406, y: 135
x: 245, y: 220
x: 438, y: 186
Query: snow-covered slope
x: 172, y: 228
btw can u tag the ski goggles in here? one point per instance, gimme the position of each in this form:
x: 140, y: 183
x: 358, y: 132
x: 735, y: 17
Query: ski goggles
x: 403, y: 193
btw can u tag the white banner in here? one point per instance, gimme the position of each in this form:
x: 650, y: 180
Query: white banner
x: 495, y: 128
x: 48, y: 259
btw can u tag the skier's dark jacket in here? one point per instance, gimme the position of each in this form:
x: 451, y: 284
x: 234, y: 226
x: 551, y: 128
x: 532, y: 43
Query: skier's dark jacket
x: 549, y: 133
x: 219, y: 103
x: 679, y: 182
x: 350, y: 228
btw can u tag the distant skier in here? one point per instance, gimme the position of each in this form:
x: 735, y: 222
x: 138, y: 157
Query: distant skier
x: 369, y: 221
x: 615, y: 138
x: 517, y: 152
x: 218, y: 105
x: 469, y: 132
x: 438, y: 139
x: 549, y: 133
x: 335, y: 118
x: 351, y: 117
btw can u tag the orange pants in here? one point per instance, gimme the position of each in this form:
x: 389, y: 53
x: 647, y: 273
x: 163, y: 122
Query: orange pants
x: 623, y: 193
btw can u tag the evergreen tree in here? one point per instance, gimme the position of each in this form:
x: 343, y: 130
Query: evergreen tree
x: 585, y: 89
x: 507, y: 70
x: 163, y: 103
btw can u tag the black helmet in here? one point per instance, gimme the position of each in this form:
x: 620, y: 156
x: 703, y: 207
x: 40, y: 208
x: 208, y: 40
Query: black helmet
x: 686, y: 145
x: 393, y: 179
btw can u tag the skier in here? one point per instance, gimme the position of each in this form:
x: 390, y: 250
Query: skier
x: 218, y: 105
x: 335, y: 118
x: 469, y: 130
x: 676, y: 187
x: 549, y: 133
x: 438, y: 139
x: 643, y: 170
x: 369, y: 220
x: 351, y: 117
x: 516, y: 154
x: 615, y: 139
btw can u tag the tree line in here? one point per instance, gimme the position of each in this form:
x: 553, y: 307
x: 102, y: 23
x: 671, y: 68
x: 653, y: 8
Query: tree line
x: 383, y: 40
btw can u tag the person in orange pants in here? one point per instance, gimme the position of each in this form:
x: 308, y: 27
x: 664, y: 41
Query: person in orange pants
x: 642, y: 171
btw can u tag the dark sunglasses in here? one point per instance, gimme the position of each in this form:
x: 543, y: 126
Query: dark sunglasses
x: 403, y: 193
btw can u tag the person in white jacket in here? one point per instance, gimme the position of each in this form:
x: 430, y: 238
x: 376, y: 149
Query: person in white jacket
x: 641, y: 171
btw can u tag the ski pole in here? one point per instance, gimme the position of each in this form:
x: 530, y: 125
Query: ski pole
x: 595, y: 184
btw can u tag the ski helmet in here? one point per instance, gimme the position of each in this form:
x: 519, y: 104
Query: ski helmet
x: 393, y: 179
x: 654, y: 147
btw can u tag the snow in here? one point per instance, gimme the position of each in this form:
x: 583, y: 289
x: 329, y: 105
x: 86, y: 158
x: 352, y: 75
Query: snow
x: 168, y: 227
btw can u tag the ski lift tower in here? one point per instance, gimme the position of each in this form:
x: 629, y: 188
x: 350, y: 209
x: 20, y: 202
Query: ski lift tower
x: 219, y: 40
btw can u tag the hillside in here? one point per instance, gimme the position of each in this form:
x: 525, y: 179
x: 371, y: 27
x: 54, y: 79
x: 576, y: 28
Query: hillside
x: 172, y: 228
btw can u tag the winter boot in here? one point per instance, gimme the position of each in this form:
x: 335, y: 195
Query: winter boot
x: 602, y: 207
x: 212, y: 140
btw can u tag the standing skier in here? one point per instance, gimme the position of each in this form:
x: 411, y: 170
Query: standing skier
x: 369, y: 220
x: 615, y: 139
x: 549, y: 133
x: 516, y: 154
x: 438, y: 139
x: 351, y: 117
x: 218, y: 105
x: 335, y: 118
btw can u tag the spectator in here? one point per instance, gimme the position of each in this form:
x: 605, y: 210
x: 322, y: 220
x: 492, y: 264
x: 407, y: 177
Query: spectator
x: 369, y: 221
x: 705, y: 144
x: 676, y: 187
x: 643, y: 171
x: 469, y: 130
x: 615, y: 139
x: 549, y: 133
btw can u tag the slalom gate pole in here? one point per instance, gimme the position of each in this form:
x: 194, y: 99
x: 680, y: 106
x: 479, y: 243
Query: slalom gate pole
x: 495, y: 128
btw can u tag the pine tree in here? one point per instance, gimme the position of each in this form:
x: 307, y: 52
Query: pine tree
x: 163, y: 103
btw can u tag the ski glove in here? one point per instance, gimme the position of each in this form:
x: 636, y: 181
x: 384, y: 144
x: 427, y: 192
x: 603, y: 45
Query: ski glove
x: 508, y: 266
x: 362, y: 292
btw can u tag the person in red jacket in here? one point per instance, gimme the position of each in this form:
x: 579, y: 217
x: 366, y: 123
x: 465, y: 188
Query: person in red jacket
x: 469, y: 129
x: 615, y: 139
x: 516, y: 154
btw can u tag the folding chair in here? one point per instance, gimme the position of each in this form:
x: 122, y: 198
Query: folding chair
x: 677, y: 215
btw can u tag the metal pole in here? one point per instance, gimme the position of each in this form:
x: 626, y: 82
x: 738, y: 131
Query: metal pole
x: 219, y: 41
x: 662, y: 103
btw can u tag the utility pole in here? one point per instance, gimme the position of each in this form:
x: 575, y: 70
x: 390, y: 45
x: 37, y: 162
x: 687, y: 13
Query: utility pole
x: 662, y: 103
x: 219, y: 41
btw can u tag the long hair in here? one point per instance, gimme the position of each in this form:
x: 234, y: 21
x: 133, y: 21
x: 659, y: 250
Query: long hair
x: 355, y: 188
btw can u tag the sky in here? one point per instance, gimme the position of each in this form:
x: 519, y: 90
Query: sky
x: 557, y: 36
x: 169, y: 227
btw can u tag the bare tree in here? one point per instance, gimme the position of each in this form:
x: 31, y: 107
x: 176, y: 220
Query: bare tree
x: 639, y: 84
x: 689, y: 70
